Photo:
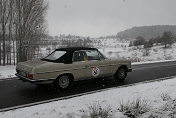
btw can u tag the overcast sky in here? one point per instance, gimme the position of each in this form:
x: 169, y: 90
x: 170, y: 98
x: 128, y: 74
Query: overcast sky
x: 105, y: 17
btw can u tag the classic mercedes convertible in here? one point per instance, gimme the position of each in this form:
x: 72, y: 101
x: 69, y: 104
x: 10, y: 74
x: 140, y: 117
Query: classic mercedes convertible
x: 66, y: 65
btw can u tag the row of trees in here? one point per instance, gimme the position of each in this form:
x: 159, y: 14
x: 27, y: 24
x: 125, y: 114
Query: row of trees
x: 22, y: 26
x: 167, y: 39
x: 86, y: 42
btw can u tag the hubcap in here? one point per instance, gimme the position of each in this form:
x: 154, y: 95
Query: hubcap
x: 121, y: 73
x: 63, y: 81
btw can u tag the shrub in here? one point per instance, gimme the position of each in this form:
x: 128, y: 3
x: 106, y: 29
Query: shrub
x: 97, y: 111
x: 165, y: 96
x: 169, y: 106
x: 135, y: 108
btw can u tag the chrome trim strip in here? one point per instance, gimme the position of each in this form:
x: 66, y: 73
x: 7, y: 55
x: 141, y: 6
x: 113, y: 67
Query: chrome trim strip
x: 120, y: 64
x: 61, y: 70
x: 123, y: 64
x: 107, y: 65
x: 34, y: 80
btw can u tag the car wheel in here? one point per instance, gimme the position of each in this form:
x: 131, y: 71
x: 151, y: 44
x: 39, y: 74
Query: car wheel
x: 121, y: 74
x: 62, y: 82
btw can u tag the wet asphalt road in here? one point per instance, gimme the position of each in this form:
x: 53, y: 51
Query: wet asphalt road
x: 14, y: 92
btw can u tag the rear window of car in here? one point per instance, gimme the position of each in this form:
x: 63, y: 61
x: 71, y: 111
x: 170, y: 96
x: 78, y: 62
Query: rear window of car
x: 55, y: 55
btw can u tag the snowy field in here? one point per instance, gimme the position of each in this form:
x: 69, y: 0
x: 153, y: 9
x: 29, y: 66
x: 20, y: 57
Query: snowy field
x: 114, y: 48
x: 7, y: 71
x: 146, y: 100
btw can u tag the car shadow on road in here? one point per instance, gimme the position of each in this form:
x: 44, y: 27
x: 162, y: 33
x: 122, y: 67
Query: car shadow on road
x: 79, y: 87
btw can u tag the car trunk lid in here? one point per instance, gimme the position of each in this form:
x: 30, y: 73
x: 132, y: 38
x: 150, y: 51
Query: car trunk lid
x: 28, y: 65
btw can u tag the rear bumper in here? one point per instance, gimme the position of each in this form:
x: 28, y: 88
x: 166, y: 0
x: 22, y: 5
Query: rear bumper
x: 35, y: 81
x: 129, y: 70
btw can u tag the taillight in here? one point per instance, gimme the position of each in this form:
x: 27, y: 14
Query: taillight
x: 30, y: 76
x: 17, y: 70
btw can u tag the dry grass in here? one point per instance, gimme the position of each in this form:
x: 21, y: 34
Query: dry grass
x: 135, y: 108
x: 165, y: 96
x: 97, y: 111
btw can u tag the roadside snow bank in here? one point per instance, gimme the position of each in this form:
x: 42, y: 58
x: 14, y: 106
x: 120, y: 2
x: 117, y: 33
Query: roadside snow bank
x: 150, y: 62
x: 159, y: 95
x: 7, y: 71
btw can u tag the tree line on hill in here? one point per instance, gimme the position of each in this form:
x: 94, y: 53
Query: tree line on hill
x: 167, y: 39
x: 147, y: 32
x: 67, y: 41
x: 22, y: 26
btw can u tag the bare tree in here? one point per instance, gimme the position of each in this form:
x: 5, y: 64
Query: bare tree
x: 11, y: 12
x: 23, y: 22
x: 4, y: 20
x: 0, y: 28
x: 30, y: 19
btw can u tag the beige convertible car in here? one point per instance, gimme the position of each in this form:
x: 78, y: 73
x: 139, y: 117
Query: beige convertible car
x: 66, y: 65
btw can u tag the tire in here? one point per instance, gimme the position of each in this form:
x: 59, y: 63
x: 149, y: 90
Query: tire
x: 62, y: 82
x: 121, y: 74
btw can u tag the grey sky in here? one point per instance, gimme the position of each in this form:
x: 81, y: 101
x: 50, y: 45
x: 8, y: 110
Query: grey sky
x: 105, y: 17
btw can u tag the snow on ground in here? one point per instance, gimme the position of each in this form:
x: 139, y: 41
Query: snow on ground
x: 7, y: 71
x: 148, y: 62
x: 115, y: 48
x: 159, y: 97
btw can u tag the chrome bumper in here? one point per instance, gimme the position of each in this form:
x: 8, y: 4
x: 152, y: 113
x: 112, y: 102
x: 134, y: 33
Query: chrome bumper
x: 35, y: 81
x: 129, y: 70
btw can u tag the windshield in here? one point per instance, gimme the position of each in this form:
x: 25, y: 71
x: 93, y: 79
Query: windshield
x: 55, y: 55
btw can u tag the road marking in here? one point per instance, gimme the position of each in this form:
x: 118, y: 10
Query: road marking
x: 81, y: 94
x: 153, y: 67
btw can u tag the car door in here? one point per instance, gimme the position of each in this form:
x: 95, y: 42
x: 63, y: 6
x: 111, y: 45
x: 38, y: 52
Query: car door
x: 95, y: 64
x: 79, y: 65
x: 109, y: 67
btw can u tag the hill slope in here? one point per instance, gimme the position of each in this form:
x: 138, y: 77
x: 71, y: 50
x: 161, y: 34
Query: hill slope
x: 146, y: 31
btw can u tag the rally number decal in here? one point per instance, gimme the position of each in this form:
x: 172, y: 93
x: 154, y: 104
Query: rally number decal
x: 95, y: 71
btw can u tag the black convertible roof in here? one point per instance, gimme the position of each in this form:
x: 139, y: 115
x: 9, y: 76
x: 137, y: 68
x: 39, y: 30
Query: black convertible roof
x: 67, y: 57
x: 70, y: 49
